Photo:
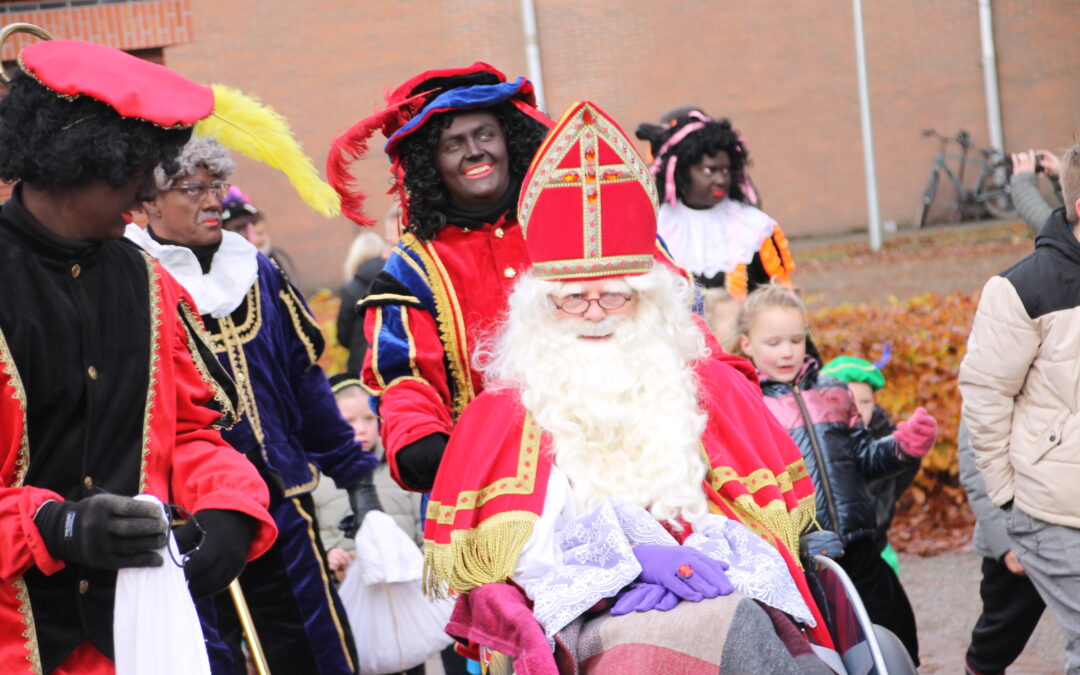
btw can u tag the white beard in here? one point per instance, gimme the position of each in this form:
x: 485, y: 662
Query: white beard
x: 623, y: 413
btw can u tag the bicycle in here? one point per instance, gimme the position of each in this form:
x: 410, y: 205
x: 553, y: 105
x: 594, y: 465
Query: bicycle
x: 991, y: 194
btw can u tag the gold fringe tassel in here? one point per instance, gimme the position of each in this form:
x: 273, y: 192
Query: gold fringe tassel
x: 485, y: 555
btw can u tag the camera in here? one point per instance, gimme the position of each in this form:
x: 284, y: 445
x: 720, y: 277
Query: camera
x: 1038, y: 163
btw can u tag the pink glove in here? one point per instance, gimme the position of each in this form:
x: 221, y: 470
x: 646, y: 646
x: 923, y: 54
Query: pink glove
x: 916, y: 435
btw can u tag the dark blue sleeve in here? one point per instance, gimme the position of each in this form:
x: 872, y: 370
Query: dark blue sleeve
x: 327, y: 438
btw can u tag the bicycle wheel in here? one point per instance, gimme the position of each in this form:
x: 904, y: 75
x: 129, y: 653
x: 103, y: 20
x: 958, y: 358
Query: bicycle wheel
x: 927, y: 198
x: 1001, y: 206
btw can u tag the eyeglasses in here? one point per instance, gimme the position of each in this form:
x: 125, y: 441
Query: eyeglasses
x: 579, y: 304
x: 197, y: 191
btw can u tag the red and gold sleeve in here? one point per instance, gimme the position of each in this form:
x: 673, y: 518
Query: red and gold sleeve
x: 406, y: 370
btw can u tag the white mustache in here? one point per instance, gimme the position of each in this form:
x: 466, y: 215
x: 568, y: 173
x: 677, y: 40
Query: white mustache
x: 583, y: 328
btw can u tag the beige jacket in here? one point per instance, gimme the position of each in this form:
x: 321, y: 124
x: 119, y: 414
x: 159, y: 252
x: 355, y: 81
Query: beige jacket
x: 1020, y: 381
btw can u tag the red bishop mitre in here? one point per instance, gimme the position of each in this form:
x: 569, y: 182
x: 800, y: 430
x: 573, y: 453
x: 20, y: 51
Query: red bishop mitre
x: 588, y: 203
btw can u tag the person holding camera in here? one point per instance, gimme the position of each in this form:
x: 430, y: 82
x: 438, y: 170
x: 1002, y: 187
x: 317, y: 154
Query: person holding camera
x: 1024, y: 183
x: 1020, y: 406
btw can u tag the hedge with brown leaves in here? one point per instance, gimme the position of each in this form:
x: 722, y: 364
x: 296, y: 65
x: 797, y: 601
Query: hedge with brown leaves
x: 928, y: 335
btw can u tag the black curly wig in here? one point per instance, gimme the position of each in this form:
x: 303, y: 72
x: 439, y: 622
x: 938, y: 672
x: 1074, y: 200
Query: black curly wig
x: 715, y: 136
x: 428, y: 197
x: 48, y: 141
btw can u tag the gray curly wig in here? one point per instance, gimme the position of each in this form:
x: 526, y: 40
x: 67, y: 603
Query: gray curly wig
x: 199, y: 151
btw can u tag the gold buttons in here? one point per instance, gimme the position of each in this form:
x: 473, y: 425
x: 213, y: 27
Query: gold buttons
x: 92, y: 372
x: 499, y: 232
x: 75, y: 271
x: 88, y: 483
x: 509, y: 272
x: 84, y: 586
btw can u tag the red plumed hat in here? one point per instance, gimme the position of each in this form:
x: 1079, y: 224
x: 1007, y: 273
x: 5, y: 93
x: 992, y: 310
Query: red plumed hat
x: 138, y: 89
x: 133, y: 87
x: 408, y: 108
x: 588, y: 203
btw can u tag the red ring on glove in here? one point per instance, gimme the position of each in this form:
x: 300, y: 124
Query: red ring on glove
x: 685, y: 571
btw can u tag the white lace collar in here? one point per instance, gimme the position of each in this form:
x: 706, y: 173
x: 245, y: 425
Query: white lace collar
x: 220, y: 291
x: 718, y: 239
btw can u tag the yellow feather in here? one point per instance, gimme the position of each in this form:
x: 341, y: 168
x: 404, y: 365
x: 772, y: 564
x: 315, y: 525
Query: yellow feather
x: 243, y: 124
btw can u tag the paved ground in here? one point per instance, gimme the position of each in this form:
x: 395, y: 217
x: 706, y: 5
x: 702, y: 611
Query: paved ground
x: 832, y: 270
x: 944, y: 591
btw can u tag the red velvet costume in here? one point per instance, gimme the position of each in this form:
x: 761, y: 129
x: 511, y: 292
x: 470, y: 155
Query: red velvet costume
x: 491, y: 487
x: 420, y: 361
x: 185, y: 462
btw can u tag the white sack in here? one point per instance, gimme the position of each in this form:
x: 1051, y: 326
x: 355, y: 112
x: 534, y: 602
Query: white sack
x: 155, y: 626
x: 395, y: 627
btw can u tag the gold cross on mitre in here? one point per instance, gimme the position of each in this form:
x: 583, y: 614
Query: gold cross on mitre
x: 587, y: 152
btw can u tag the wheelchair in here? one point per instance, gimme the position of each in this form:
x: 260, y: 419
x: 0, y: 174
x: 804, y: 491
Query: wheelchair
x: 862, y: 647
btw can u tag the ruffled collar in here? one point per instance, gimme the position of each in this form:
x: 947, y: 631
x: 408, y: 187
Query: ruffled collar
x: 718, y: 239
x: 234, y: 268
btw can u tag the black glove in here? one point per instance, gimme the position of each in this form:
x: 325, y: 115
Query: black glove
x: 418, y: 462
x: 821, y: 542
x: 213, y: 564
x: 363, y: 498
x: 104, y: 531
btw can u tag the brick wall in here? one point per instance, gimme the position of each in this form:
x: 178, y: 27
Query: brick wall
x: 782, y: 70
x: 128, y: 26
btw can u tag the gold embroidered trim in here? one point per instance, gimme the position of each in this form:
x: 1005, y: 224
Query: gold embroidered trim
x: 296, y: 310
x: 326, y: 582
x: 774, y: 517
x: 7, y: 360
x: 412, y: 343
x: 760, y: 478
x: 593, y: 267
x: 587, y: 126
x: 245, y: 332
x: 405, y: 378
x: 306, y: 487
x: 33, y: 649
x: 460, y: 344
x: 387, y: 297
x: 241, y: 375
x: 522, y: 483
x: 377, y: 332
x: 155, y: 343
x: 451, y: 324
x: 199, y: 333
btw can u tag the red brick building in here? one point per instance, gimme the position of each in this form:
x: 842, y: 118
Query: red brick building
x: 783, y: 71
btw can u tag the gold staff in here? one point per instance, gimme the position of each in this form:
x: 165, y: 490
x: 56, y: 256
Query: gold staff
x: 248, y: 625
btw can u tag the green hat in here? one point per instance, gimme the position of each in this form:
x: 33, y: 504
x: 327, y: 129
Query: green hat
x: 854, y: 369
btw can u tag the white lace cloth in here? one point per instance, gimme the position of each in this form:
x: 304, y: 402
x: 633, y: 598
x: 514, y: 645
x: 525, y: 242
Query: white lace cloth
x: 592, y: 558
x: 708, y: 241
x: 223, y: 288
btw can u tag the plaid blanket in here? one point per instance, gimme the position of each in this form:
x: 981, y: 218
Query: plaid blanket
x: 730, y: 634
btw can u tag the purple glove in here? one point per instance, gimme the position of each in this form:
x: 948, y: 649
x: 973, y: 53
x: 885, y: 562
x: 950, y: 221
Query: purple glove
x: 685, y: 571
x: 642, y: 597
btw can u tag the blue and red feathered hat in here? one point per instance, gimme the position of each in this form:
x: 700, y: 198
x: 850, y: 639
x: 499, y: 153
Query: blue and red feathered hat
x: 138, y: 89
x: 408, y: 108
